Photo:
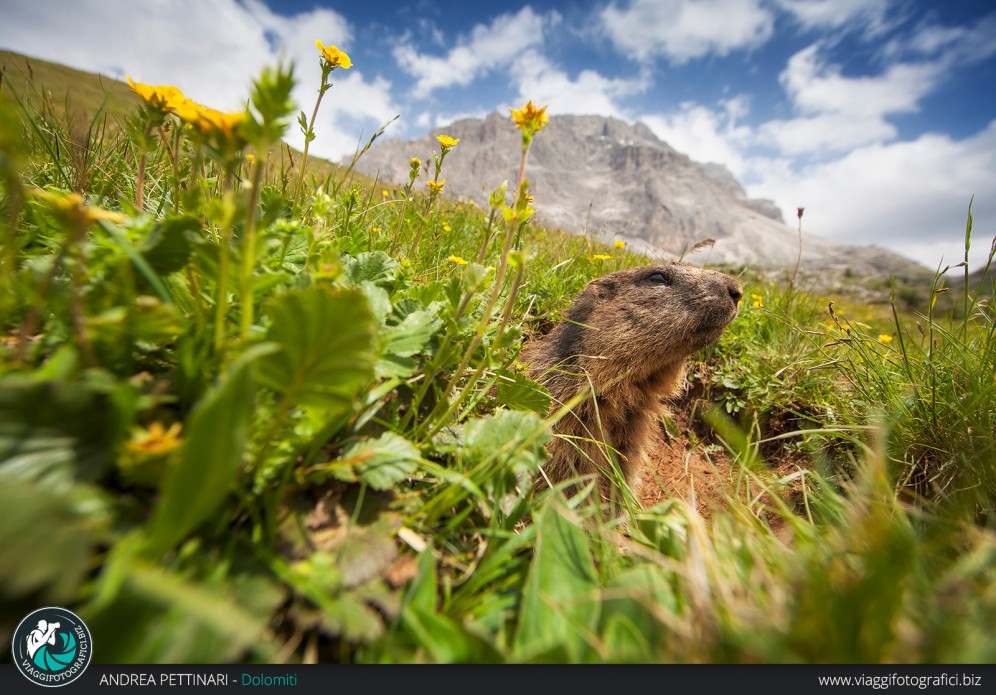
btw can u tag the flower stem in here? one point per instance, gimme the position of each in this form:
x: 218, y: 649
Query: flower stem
x: 249, y: 248
x: 307, y: 142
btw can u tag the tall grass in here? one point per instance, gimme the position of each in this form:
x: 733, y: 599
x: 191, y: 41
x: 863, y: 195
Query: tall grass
x: 236, y: 426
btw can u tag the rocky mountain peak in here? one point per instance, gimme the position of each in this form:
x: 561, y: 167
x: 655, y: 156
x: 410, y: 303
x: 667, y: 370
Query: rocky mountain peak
x: 613, y: 180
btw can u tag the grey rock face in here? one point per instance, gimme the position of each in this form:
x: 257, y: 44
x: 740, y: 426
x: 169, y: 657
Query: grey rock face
x: 603, y: 177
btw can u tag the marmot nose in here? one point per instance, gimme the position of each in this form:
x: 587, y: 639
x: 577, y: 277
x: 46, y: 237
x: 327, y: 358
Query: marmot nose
x: 735, y: 290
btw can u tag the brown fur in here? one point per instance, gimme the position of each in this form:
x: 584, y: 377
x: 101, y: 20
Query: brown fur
x: 626, y: 337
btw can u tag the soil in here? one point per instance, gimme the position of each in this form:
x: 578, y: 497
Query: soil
x: 692, y: 464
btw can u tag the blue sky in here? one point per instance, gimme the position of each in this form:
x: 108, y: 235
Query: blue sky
x: 879, y: 116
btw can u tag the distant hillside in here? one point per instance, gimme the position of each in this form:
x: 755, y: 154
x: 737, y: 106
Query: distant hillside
x: 613, y: 180
x: 77, y: 95
x: 83, y: 92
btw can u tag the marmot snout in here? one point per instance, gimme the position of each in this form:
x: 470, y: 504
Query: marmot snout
x: 626, y: 338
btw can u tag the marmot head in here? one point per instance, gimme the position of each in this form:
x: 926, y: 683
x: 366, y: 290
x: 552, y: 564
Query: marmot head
x: 654, y: 315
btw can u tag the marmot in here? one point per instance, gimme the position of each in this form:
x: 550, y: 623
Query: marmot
x: 626, y: 338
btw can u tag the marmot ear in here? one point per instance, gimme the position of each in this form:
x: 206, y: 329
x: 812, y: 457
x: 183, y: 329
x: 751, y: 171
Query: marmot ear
x: 603, y: 288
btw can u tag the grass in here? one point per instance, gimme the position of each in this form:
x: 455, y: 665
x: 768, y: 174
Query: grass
x: 236, y: 427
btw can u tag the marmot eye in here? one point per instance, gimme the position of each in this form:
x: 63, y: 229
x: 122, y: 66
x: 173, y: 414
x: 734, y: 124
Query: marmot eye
x: 659, y: 279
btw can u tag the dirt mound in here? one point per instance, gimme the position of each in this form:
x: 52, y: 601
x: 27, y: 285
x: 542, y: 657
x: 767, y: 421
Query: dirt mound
x: 687, y: 460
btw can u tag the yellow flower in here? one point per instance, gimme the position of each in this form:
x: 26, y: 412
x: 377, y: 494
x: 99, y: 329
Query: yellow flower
x: 156, y: 440
x: 208, y: 120
x: 530, y: 119
x: 436, y: 187
x: 415, y: 163
x: 385, y: 193
x: 164, y: 97
x: 250, y: 159
x: 457, y: 260
x: 333, y: 56
x: 601, y: 257
x: 885, y: 339
x: 447, y: 142
x: 619, y: 244
x: 447, y: 228
x: 72, y: 208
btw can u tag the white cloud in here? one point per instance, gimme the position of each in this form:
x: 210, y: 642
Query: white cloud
x: 837, y: 112
x: 706, y: 135
x: 211, y: 50
x: 589, y: 93
x: 836, y: 14
x: 909, y: 196
x: 487, y: 48
x: 816, y: 87
x: 685, y: 29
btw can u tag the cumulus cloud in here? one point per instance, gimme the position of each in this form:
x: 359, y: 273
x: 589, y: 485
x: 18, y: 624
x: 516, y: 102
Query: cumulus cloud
x: 590, y: 92
x: 707, y: 135
x: 838, y: 113
x: 211, y: 50
x: 682, y: 30
x: 489, y: 46
x: 870, y: 15
x: 910, y: 196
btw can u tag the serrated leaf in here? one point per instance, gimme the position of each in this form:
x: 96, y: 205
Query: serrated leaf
x: 412, y: 335
x: 560, y: 598
x: 378, y: 298
x: 516, y: 438
x: 374, y: 266
x: 519, y: 392
x: 326, y: 338
x: 385, y: 461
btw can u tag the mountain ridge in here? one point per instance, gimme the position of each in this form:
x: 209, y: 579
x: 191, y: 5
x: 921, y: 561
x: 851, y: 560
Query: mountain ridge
x: 611, y: 180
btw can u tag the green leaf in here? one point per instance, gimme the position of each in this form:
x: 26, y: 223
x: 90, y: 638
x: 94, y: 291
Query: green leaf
x: 375, y: 266
x: 167, y: 248
x: 158, y: 616
x: 519, y: 392
x: 447, y: 641
x: 45, y: 545
x: 53, y: 428
x: 560, y: 598
x: 412, y: 335
x: 515, y: 438
x: 385, y: 461
x: 421, y: 592
x: 215, y: 437
x: 327, y: 351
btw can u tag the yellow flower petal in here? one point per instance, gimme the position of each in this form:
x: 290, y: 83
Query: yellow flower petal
x: 601, y: 257
x: 156, y: 439
x: 457, y: 260
x: 164, y: 97
x: 619, y: 244
x: 447, y: 142
x: 529, y: 118
x: 436, y: 187
x: 333, y: 56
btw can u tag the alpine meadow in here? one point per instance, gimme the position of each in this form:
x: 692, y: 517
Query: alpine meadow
x: 258, y: 408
